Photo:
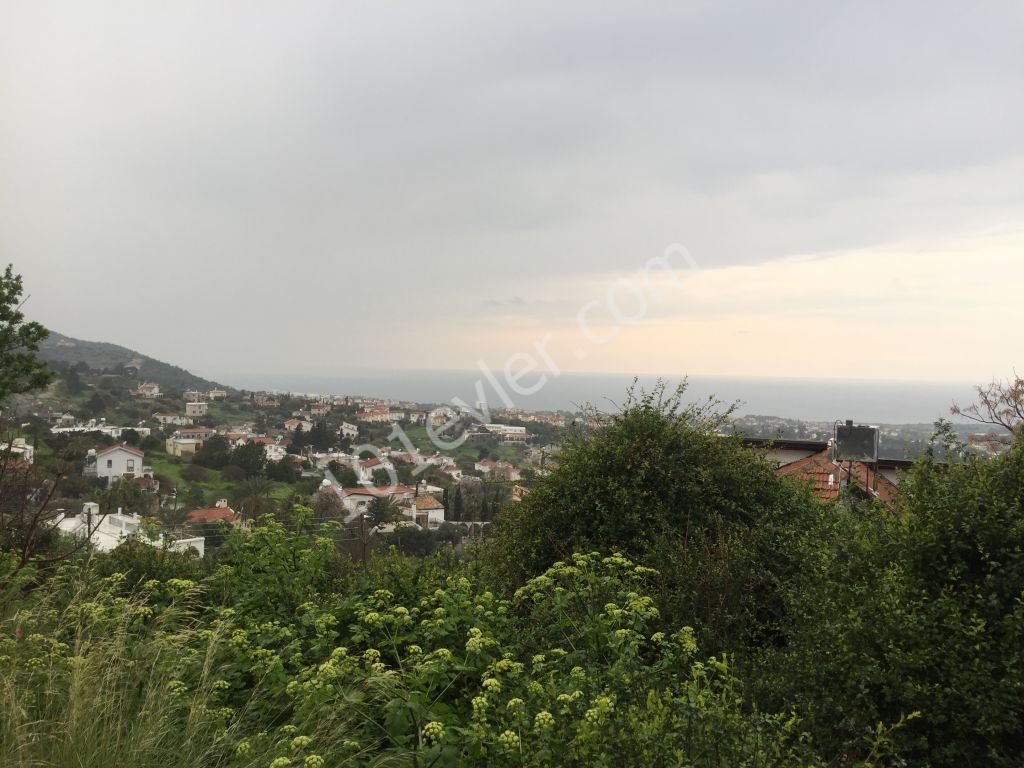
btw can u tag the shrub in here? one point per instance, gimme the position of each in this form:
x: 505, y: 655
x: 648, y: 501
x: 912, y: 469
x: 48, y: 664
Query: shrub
x: 194, y: 473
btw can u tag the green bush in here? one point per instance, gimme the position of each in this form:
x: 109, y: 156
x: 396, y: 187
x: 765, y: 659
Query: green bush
x: 920, y: 609
x: 660, y: 484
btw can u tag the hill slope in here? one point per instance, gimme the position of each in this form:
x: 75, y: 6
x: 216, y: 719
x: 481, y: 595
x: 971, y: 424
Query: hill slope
x: 99, y: 355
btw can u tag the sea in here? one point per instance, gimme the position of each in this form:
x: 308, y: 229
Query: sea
x: 863, y: 401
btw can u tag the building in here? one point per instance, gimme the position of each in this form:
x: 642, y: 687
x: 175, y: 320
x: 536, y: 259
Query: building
x: 348, y: 430
x: 172, y: 418
x: 182, y: 446
x: 217, y: 394
x: 374, y: 417
x: 426, y: 511
x: 507, y: 433
x: 453, y: 471
x: 149, y: 390
x: 826, y: 476
x: 356, y: 500
x: 220, y: 512
x: 116, y: 462
x: 202, y: 434
x: 811, y: 461
x: 18, y: 448
x: 107, y: 532
x: 197, y: 408
x: 192, y: 395
x: 292, y: 424
x: 375, y: 464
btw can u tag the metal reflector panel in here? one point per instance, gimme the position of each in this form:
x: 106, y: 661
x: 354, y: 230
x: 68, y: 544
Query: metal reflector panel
x: 856, y: 443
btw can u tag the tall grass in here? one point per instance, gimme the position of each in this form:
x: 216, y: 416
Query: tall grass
x: 89, y: 678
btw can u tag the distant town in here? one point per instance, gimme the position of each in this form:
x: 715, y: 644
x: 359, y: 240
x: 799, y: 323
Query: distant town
x: 178, y: 463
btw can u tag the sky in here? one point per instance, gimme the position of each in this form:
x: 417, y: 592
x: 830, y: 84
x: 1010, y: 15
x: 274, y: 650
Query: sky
x: 796, y: 189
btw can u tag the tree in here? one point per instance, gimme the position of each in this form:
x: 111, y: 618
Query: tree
x: 320, y: 437
x: 1000, y: 404
x: 381, y: 477
x: 194, y: 473
x: 124, y: 495
x: 914, y: 609
x: 282, y: 471
x: 251, y: 457
x: 72, y: 381
x: 344, y: 474
x: 195, y: 498
x: 214, y: 454
x: 253, y: 497
x: 20, y: 369
x: 327, y: 505
x: 458, y: 506
x: 383, y: 510
x: 232, y: 474
x: 659, y: 484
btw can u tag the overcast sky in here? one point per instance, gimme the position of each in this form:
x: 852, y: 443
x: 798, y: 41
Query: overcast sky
x: 249, y: 187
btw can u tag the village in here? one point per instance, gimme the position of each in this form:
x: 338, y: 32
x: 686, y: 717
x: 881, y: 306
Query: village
x: 180, y: 467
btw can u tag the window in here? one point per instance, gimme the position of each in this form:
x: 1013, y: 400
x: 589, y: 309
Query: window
x: 131, y: 465
x: 110, y: 463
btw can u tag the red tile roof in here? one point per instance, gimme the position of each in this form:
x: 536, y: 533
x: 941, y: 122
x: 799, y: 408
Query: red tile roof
x: 826, y: 477
x: 427, y: 502
x: 122, y: 447
x: 213, y: 514
x: 368, y: 490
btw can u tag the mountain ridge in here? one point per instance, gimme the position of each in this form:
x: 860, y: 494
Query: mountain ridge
x: 59, y: 350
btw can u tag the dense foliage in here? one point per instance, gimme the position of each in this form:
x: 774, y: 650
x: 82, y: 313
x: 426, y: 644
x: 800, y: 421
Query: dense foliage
x: 20, y: 369
x: 662, y: 598
x: 916, y: 609
x: 283, y: 656
x: 659, y: 483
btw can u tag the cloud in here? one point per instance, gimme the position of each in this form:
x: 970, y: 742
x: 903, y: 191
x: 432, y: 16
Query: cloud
x: 264, y: 170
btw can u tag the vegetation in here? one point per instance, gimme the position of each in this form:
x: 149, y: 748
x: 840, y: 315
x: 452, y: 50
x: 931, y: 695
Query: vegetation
x: 64, y: 351
x: 20, y: 369
x: 661, y: 598
x: 659, y: 483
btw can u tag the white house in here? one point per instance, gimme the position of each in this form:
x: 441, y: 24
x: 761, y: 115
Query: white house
x: 368, y: 467
x: 274, y: 452
x: 356, y: 500
x: 18, y: 448
x: 173, y: 418
x: 348, y: 430
x: 106, y: 532
x: 148, y: 390
x: 292, y: 424
x: 426, y: 510
x: 507, y: 433
x: 115, y: 462
x: 453, y: 471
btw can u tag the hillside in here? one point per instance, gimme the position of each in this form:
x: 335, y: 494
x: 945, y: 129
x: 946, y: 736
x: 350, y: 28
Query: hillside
x: 98, y: 355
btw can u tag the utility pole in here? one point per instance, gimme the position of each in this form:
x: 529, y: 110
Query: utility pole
x: 363, y: 538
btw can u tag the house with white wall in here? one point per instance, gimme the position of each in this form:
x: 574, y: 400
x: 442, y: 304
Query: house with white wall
x: 371, y: 465
x: 115, y: 462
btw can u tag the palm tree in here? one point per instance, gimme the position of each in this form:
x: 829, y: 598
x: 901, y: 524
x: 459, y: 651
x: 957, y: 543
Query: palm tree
x: 252, y: 497
x: 383, y: 510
